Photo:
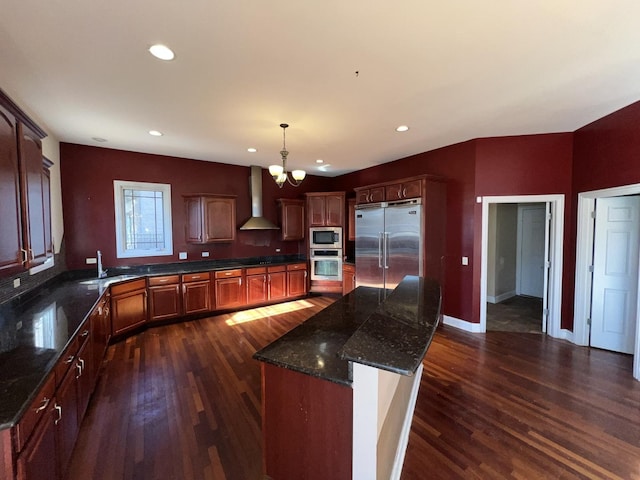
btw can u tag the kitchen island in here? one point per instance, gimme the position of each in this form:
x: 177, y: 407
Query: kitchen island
x: 339, y: 390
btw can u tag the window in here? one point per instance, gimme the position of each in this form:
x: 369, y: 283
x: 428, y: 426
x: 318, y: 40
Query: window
x: 143, y: 219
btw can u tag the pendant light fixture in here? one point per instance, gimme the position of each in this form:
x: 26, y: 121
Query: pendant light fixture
x: 279, y: 172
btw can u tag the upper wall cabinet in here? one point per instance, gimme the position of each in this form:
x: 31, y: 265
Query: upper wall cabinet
x: 291, y: 214
x: 391, y: 191
x: 25, y: 208
x: 325, y: 209
x: 210, y: 218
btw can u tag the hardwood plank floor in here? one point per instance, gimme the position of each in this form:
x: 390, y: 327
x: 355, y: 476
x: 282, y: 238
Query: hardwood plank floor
x: 183, y: 402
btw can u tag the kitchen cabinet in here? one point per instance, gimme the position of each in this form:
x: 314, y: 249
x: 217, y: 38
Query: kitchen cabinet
x: 369, y: 195
x: 66, y: 422
x: 256, y: 280
x: 210, y: 218
x: 277, y: 282
x: 325, y: 209
x: 165, y: 298
x: 84, y: 373
x: 25, y: 237
x: 196, y: 292
x: 229, y: 290
x: 36, y: 436
x: 296, y: 279
x: 128, y: 305
x: 100, y: 321
x: 291, y: 214
x: 348, y: 278
x: 351, y: 219
x: 403, y: 190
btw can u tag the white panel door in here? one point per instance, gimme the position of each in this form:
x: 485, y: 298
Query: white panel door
x: 615, y: 273
x: 532, y: 250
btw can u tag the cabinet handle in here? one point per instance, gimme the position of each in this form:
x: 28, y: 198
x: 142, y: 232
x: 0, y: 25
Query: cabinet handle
x: 59, y: 409
x: 228, y: 273
x: 404, y: 192
x: 264, y: 279
x: 195, y: 277
x: 25, y: 256
x: 305, y: 274
x: 163, y: 280
x: 69, y: 359
x: 84, y: 334
x: 80, y: 367
x: 43, y: 404
x: 240, y: 281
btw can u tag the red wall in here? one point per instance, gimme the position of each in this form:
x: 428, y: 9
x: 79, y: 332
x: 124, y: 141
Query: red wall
x: 87, y: 175
x: 527, y: 165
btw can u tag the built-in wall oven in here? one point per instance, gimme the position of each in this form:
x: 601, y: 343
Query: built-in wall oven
x: 326, y: 264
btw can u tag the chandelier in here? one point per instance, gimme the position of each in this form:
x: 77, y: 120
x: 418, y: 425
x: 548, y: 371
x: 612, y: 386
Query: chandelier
x: 279, y: 172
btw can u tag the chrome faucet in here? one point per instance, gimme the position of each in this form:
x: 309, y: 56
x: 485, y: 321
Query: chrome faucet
x: 101, y: 273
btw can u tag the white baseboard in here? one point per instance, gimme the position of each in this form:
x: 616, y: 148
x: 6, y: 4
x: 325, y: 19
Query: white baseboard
x: 502, y: 297
x: 566, y: 335
x: 462, y: 324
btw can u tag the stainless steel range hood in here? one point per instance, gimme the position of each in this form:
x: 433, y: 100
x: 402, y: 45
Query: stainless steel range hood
x: 257, y: 221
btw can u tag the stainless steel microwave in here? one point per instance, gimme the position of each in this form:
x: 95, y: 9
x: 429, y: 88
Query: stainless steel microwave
x: 325, y: 237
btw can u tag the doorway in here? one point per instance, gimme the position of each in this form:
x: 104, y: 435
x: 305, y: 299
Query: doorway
x: 587, y: 297
x: 553, y: 215
x: 516, y: 267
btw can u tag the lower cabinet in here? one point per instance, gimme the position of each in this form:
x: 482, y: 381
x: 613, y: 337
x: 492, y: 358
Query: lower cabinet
x: 196, y: 293
x: 165, y: 298
x: 66, y: 422
x: 38, y: 460
x: 256, y: 280
x: 348, y: 278
x: 128, y: 305
x: 277, y: 281
x: 229, y: 290
x: 296, y: 279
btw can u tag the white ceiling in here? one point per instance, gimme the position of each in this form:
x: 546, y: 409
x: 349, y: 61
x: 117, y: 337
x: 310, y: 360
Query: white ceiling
x: 451, y: 70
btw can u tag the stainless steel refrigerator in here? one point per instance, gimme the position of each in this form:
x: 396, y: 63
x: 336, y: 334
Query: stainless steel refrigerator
x: 388, y: 242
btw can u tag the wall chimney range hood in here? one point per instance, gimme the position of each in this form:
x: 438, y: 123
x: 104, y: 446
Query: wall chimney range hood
x: 257, y: 221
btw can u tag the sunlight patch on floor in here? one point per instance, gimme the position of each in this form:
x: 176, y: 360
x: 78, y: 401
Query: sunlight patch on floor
x: 269, y: 311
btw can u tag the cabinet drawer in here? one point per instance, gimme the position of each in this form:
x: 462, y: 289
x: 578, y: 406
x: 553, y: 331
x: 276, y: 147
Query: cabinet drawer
x: 126, y: 287
x: 35, y: 412
x: 164, y: 280
x: 297, y: 266
x: 346, y: 267
x: 195, y: 277
x: 277, y: 268
x: 256, y: 270
x: 236, y: 272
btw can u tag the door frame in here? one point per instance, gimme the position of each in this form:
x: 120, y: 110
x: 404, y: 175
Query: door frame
x: 556, y: 236
x: 584, y: 259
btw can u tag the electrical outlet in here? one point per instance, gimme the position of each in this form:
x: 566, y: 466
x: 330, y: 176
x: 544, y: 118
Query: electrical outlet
x: 91, y: 260
x: 205, y: 254
x: 182, y: 255
x: 465, y: 260
x: 277, y: 250
x: 16, y: 282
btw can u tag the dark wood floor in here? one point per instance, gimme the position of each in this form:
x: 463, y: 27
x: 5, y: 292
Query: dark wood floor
x: 183, y: 402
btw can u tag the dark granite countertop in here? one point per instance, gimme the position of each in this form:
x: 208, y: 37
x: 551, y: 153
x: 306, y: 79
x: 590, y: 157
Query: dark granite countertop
x: 36, y: 326
x: 391, y: 333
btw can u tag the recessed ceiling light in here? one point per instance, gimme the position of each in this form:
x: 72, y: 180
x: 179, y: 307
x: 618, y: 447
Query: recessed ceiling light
x: 155, y: 133
x: 319, y: 160
x: 252, y: 150
x: 402, y: 128
x: 162, y: 52
x: 99, y: 139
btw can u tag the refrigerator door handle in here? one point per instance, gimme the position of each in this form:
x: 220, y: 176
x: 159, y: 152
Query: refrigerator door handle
x: 386, y: 250
x: 380, y: 249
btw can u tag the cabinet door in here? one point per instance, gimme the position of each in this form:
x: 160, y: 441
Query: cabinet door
x: 393, y: 192
x: 84, y: 377
x: 67, y: 419
x: 11, y: 231
x: 46, y: 209
x: 220, y: 219
x: 128, y: 311
x: 196, y: 296
x: 277, y: 285
x: 164, y: 302
x: 376, y: 194
x: 229, y: 293
x: 256, y: 289
x: 412, y: 189
x: 348, y: 279
x: 351, y: 222
x: 193, y: 227
x: 334, y: 210
x: 33, y: 197
x: 37, y: 461
x: 316, y: 208
x: 292, y: 219
x: 297, y: 283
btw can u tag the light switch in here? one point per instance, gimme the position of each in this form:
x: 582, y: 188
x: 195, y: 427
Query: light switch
x: 90, y: 261
x: 465, y: 260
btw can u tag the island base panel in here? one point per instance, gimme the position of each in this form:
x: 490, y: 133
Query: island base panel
x: 307, y: 426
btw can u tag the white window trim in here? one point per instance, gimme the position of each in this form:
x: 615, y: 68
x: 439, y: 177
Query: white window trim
x: 118, y: 187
